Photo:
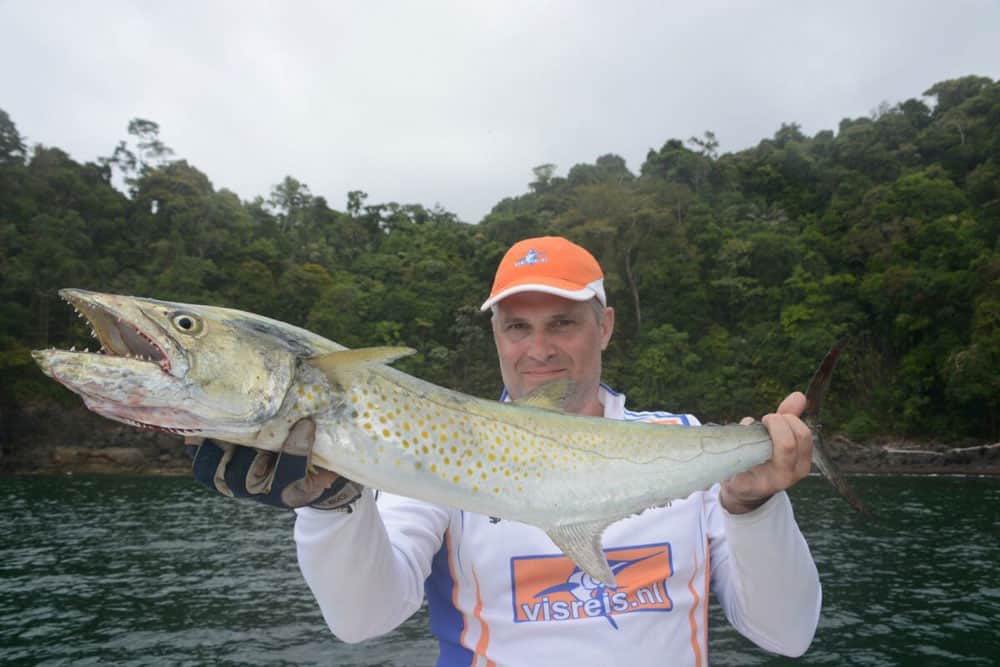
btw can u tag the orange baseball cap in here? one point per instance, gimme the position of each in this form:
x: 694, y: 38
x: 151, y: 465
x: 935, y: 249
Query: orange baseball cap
x: 548, y: 264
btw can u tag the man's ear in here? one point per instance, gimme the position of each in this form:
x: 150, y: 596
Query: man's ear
x: 607, y: 327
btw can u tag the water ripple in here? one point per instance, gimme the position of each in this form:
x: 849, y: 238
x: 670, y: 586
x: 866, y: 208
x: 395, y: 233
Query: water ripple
x: 133, y: 571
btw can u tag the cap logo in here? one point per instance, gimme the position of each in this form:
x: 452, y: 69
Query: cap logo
x: 531, y: 257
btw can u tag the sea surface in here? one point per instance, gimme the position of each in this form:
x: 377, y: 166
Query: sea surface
x: 149, y: 571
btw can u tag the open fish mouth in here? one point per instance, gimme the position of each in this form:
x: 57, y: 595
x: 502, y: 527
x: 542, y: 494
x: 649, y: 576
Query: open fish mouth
x: 118, y: 337
x: 132, y: 375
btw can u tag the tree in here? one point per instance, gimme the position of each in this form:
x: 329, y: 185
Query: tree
x: 543, y: 177
x: 144, y: 153
x: 11, y: 144
x: 953, y: 92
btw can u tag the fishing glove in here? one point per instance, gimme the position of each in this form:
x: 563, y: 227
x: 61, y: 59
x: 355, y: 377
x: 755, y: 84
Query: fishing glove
x: 282, y: 479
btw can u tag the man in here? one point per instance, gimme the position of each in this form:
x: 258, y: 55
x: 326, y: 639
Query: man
x: 500, y: 593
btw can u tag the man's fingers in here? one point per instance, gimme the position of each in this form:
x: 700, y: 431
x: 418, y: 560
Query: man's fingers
x: 785, y: 450
x: 794, y: 404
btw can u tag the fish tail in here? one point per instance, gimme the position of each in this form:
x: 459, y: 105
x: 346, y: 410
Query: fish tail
x: 815, y: 395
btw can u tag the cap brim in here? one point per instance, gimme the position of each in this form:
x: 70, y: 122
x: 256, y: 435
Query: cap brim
x: 567, y: 291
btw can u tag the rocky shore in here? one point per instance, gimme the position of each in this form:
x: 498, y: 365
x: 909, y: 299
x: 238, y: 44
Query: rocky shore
x: 48, y: 440
x: 74, y: 440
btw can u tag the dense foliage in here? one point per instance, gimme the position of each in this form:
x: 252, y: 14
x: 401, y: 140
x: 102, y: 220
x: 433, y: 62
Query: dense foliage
x: 731, y: 274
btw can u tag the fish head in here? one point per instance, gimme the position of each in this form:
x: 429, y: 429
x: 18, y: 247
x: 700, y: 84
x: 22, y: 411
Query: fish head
x: 182, y: 368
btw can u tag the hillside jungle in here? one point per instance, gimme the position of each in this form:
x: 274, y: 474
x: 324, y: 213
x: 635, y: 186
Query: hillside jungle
x: 731, y: 275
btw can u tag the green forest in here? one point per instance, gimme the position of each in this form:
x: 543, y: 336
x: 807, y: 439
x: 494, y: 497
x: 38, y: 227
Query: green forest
x: 731, y: 274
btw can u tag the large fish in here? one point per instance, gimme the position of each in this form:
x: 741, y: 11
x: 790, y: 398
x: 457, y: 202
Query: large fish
x: 246, y: 379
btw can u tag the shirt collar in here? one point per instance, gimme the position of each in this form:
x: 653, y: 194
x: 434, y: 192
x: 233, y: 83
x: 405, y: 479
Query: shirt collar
x: 613, y: 402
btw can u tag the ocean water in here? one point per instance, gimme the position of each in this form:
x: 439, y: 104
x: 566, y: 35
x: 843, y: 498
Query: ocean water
x: 145, y: 570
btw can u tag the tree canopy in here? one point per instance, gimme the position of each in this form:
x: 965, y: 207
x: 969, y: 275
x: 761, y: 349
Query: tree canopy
x: 731, y: 274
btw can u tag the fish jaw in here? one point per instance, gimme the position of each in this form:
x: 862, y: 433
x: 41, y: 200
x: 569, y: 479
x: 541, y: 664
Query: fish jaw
x: 124, y: 330
x: 128, y: 390
x: 174, y: 367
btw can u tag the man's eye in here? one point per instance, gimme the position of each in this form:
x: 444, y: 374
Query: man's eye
x: 563, y: 323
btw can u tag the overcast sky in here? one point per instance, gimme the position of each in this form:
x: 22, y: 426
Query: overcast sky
x: 453, y: 103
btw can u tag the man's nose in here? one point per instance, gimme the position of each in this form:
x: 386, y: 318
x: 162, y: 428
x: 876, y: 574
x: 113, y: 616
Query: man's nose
x: 540, y: 346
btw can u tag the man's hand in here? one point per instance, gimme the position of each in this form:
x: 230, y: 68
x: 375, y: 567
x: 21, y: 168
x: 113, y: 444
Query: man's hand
x: 282, y: 479
x: 791, y: 459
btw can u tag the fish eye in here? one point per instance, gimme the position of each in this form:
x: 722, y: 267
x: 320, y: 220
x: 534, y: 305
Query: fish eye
x: 186, y: 323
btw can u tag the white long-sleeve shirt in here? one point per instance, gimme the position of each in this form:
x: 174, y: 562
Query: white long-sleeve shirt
x: 501, y: 593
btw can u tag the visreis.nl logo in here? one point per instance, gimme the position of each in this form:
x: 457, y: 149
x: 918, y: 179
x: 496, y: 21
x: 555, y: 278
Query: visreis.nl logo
x: 552, y: 588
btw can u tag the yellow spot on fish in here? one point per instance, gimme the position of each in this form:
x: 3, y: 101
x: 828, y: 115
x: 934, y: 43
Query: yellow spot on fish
x: 385, y: 433
x: 418, y: 465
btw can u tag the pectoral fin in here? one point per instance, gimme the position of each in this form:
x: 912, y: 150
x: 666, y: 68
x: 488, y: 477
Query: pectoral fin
x: 549, y: 396
x: 582, y: 543
x: 338, y: 365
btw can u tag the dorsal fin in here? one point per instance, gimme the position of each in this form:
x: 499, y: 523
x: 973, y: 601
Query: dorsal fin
x: 549, y: 396
x: 340, y: 364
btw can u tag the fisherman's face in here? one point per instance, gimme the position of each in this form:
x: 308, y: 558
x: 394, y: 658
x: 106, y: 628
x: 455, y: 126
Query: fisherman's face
x: 542, y: 337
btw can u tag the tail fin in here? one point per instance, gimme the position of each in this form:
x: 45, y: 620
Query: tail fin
x: 814, y: 403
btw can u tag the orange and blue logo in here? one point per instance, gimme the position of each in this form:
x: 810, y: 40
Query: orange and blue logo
x: 552, y: 588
